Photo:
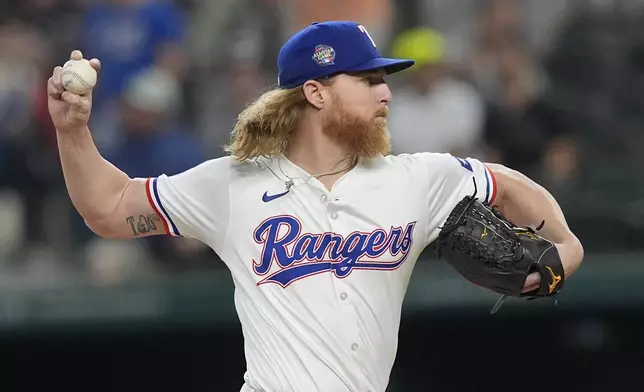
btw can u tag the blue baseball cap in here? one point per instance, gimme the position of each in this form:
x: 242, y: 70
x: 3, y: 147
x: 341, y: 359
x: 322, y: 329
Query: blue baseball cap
x: 324, y: 49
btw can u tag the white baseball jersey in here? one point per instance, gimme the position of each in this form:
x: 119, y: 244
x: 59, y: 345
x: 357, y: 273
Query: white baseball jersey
x: 319, y: 275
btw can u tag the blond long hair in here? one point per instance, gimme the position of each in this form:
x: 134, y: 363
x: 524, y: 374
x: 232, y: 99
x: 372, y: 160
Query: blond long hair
x: 264, y: 126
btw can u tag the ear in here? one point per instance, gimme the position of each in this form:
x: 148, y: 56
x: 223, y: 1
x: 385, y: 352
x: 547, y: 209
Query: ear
x: 314, y: 93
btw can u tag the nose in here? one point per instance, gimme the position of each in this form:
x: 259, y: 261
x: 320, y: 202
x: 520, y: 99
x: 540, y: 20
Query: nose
x: 385, y: 94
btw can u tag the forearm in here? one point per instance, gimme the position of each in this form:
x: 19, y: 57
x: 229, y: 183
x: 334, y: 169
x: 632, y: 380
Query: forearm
x: 525, y: 202
x: 95, y: 186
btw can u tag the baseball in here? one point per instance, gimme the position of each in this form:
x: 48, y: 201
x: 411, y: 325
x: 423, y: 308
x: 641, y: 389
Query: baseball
x: 78, y: 76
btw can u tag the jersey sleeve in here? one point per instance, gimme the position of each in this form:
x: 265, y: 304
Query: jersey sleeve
x: 194, y: 203
x: 450, y: 179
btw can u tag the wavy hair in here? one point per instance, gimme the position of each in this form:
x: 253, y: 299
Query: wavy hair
x: 263, y: 127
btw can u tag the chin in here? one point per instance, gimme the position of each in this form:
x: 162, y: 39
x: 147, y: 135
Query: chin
x: 381, y: 120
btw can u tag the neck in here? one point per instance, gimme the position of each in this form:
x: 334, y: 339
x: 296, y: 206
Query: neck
x: 313, y: 151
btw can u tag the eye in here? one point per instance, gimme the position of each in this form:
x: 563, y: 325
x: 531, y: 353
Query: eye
x: 373, y: 80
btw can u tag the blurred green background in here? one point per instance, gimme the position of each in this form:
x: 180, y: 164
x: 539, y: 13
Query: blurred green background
x: 553, y: 88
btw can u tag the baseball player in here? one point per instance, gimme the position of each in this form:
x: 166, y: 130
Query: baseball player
x: 319, y: 226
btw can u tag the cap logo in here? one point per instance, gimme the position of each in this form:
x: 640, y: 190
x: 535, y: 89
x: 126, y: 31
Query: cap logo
x: 364, y: 30
x: 324, y: 55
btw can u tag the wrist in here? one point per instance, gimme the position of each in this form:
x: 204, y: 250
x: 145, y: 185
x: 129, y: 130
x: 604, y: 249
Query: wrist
x: 71, y: 129
x: 73, y: 134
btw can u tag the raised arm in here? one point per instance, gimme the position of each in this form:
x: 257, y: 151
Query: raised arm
x: 112, y: 204
x: 525, y: 202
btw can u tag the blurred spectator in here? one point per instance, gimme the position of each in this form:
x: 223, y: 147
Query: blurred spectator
x: 374, y: 15
x: 459, y: 22
x: 228, y: 90
x: 129, y: 36
x: 58, y: 20
x: 435, y: 111
x: 27, y: 155
x: 524, y: 129
x: 596, y: 71
x: 151, y: 141
x: 501, y: 48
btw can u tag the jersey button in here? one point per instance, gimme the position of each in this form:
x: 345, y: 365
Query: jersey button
x: 343, y: 296
x: 323, y: 198
x: 354, y: 347
x: 334, y: 215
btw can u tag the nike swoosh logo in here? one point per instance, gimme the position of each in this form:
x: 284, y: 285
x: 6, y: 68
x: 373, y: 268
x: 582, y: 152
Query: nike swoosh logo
x: 266, y: 198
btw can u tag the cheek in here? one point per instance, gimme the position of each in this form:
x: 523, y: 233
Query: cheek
x: 360, y: 106
x: 357, y: 102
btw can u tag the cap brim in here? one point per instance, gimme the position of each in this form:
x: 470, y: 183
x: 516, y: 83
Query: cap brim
x: 389, y: 65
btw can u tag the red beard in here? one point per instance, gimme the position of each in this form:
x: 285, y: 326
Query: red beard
x: 362, y: 138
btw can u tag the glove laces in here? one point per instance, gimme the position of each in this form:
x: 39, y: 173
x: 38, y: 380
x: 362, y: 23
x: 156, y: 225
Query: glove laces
x: 501, y: 300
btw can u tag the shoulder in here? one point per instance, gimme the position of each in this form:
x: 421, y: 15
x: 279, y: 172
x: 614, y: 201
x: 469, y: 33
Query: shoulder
x: 212, y: 175
x: 421, y: 160
x: 224, y: 163
x: 428, y: 166
x: 419, y: 167
x: 208, y: 169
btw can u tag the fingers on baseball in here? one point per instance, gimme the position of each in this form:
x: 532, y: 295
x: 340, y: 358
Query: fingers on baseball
x: 76, y: 55
x: 54, y: 85
x: 77, y: 102
x: 96, y: 64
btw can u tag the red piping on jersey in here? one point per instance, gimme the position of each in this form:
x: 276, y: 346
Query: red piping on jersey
x: 154, y: 207
x: 493, y: 185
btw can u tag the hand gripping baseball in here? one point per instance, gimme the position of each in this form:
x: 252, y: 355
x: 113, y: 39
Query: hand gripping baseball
x: 69, y: 111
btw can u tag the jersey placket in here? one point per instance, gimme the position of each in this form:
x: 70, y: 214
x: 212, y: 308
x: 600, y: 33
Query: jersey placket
x: 343, y: 292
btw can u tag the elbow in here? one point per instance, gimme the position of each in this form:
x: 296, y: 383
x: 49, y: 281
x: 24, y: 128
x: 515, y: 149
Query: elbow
x: 98, y: 227
x: 573, y: 255
x: 579, y: 251
x: 574, y: 248
x: 103, y: 228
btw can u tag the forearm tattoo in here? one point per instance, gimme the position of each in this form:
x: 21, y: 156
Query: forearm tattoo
x: 143, y: 224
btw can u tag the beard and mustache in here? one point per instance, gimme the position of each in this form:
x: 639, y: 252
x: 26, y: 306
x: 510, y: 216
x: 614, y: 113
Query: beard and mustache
x: 363, y: 138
